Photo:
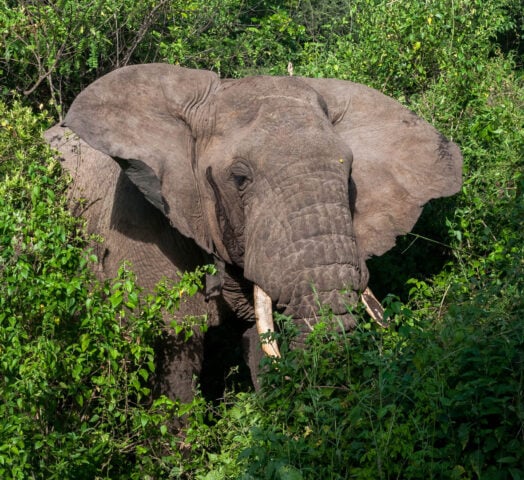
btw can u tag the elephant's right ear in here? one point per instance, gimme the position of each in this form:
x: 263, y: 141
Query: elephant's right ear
x: 141, y: 116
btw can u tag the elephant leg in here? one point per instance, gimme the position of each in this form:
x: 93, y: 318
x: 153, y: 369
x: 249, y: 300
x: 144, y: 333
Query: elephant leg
x: 252, y: 353
x: 179, y: 363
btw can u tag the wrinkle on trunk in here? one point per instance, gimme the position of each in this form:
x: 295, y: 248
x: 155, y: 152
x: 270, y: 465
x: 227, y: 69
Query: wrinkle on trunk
x: 300, y: 243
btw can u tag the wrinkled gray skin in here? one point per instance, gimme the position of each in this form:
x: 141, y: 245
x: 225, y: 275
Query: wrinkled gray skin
x: 284, y: 182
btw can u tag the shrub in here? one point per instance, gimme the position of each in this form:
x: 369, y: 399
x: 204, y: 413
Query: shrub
x: 423, y: 400
x: 56, y: 48
x: 76, y: 356
x: 438, y: 395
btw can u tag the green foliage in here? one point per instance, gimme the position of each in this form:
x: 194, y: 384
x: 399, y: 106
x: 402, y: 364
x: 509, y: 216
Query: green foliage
x: 421, y: 400
x: 402, y: 47
x: 76, y: 356
x: 229, y: 37
x: 51, y: 50
x: 438, y: 395
x: 57, y: 47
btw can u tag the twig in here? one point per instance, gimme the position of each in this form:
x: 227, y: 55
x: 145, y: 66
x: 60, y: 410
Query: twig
x: 44, y: 76
x: 442, y: 302
x: 142, y: 32
x: 417, y: 236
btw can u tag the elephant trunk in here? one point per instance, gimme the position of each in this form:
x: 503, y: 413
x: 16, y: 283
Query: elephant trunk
x: 265, y: 324
x: 307, y: 256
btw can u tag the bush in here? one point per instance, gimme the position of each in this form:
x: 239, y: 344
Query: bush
x: 51, y: 50
x: 403, y: 47
x: 438, y: 395
x: 423, y: 400
x: 76, y: 356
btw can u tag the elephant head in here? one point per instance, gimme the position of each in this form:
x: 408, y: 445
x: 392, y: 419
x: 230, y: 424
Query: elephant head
x: 290, y: 182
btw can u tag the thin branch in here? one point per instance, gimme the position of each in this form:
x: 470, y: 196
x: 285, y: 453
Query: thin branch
x: 417, y: 236
x: 149, y: 20
x: 38, y: 59
x: 439, y: 315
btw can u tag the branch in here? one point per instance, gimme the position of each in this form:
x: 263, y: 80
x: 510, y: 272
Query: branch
x: 142, y: 31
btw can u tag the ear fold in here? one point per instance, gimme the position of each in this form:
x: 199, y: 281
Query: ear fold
x: 399, y: 161
x: 141, y: 116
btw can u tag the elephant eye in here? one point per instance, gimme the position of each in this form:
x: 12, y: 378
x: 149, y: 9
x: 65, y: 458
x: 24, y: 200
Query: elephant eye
x: 241, y: 181
x: 241, y: 175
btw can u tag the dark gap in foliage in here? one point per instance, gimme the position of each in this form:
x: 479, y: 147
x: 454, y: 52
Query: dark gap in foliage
x: 420, y: 255
x: 224, y: 368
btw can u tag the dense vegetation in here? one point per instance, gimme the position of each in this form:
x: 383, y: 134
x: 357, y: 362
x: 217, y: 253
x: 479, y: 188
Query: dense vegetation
x: 439, y: 395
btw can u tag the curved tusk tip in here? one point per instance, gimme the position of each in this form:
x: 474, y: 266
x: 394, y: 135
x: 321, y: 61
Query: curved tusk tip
x: 373, y: 307
x: 271, y: 349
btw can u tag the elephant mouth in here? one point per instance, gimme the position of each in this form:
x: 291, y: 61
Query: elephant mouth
x: 265, y: 324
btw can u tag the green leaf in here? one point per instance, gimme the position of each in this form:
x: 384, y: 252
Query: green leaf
x: 116, y: 299
x: 85, y: 340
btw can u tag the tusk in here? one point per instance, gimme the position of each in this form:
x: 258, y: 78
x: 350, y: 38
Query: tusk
x: 373, y: 307
x: 264, y: 320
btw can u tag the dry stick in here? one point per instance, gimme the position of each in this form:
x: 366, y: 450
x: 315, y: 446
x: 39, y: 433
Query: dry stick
x: 441, y: 306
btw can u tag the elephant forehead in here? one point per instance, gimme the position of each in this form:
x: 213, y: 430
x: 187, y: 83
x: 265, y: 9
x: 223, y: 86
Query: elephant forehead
x: 273, y: 152
x: 272, y: 134
x: 270, y: 117
x: 267, y: 99
x: 249, y: 88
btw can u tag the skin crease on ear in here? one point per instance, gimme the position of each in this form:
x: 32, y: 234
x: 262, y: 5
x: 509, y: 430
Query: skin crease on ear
x: 290, y: 183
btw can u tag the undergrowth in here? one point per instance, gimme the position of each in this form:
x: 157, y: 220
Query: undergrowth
x: 437, y: 395
x: 76, y: 355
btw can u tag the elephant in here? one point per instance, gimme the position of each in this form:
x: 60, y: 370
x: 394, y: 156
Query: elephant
x: 287, y: 184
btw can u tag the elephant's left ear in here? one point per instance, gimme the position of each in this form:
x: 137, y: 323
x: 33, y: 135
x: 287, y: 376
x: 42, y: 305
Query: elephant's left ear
x: 399, y: 161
